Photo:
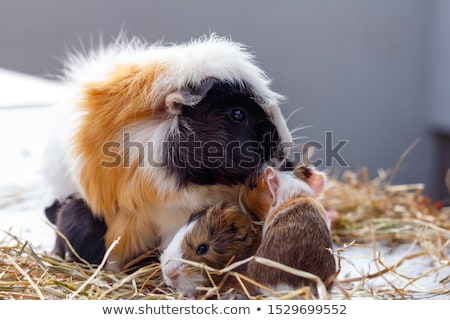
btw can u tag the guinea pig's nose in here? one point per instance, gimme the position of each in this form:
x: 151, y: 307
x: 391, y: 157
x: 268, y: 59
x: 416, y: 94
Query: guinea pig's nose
x: 171, y: 274
x: 173, y: 279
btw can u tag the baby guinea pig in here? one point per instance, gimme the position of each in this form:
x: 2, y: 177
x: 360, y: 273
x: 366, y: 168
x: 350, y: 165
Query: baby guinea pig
x: 217, y: 237
x: 85, y: 233
x: 148, y: 134
x: 264, y: 192
x: 296, y: 228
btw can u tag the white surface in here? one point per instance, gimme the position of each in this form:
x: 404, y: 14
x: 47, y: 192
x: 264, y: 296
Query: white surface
x: 23, y: 194
x: 24, y: 128
x: 18, y: 90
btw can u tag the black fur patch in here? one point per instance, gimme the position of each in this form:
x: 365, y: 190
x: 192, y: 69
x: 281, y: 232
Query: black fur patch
x: 74, y: 219
x: 222, y: 139
x: 51, y: 212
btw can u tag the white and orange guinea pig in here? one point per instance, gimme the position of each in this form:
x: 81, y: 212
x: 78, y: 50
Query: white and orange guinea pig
x: 148, y: 134
x: 216, y: 237
x: 296, y: 229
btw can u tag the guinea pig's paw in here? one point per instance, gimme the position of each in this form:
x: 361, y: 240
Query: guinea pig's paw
x: 69, y: 256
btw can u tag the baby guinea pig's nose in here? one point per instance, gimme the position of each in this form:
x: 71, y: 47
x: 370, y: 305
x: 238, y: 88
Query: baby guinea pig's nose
x: 171, y: 273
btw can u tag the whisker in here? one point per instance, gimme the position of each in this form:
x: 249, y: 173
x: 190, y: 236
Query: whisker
x: 292, y: 113
x: 293, y: 131
x: 299, y: 138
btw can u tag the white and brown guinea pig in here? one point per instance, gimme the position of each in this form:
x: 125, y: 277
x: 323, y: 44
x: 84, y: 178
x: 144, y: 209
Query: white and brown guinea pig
x: 150, y: 133
x: 217, y: 237
x: 296, y: 228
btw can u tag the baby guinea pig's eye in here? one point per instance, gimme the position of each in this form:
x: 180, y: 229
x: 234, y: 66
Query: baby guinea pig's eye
x: 252, y: 185
x: 202, y: 249
x: 237, y: 115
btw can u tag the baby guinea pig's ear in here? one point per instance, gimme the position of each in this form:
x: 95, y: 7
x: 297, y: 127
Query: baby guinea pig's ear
x: 315, y: 179
x: 214, y: 211
x: 317, y: 182
x: 271, y: 179
x: 188, y: 96
x: 222, y: 213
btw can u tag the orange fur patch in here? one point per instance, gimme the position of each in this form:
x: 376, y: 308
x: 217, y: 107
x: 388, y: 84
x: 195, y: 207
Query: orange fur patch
x: 136, y: 233
x: 126, y: 97
x: 257, y: 200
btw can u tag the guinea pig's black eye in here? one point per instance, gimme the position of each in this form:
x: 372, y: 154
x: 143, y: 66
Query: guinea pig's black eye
x: 237, y: 115
x: 252, y: 185
x: 202, y: 249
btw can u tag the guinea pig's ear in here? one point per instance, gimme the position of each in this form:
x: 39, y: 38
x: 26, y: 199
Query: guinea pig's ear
x: 317, y: 182
x: 51, y: 212
x: 213, y: 212
x: 272, y: 182
x: 188, y: 96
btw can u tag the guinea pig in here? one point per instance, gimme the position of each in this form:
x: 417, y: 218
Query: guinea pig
x: 217, y: 237
x: 296, y: 229
x: 148, y: 134
x: 263, y: 192
x: 83, y: 231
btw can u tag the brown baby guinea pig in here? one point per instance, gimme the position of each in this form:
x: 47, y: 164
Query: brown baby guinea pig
x: 259, y: 194
x: 296, y: 228
x: 218, y: 236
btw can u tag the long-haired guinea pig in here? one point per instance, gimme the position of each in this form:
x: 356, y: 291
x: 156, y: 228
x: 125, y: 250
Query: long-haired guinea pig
x: 150, y: 133
x: 296, y: 229
x: 217, y: 237
x: 82, y: 230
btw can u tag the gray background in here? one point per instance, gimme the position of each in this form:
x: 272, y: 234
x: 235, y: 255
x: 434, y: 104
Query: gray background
x: 375, y: 73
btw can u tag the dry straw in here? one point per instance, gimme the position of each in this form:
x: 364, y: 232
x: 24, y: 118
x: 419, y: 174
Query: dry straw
x: 370, y: 212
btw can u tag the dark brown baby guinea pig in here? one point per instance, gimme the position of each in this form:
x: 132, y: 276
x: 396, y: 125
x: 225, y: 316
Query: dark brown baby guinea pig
x: 218, y: 236
x: 296, y: 230
x: 85, y: 233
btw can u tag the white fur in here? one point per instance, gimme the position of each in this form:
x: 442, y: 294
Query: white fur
x: 57, y: 167
x: 154, y: 132
x: 173, y: 250
x: 188, y: 63
x: 172, y: 270
x: 288, y: 187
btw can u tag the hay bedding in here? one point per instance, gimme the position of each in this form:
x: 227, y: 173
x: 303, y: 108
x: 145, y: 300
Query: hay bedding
x: 392, y: 242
